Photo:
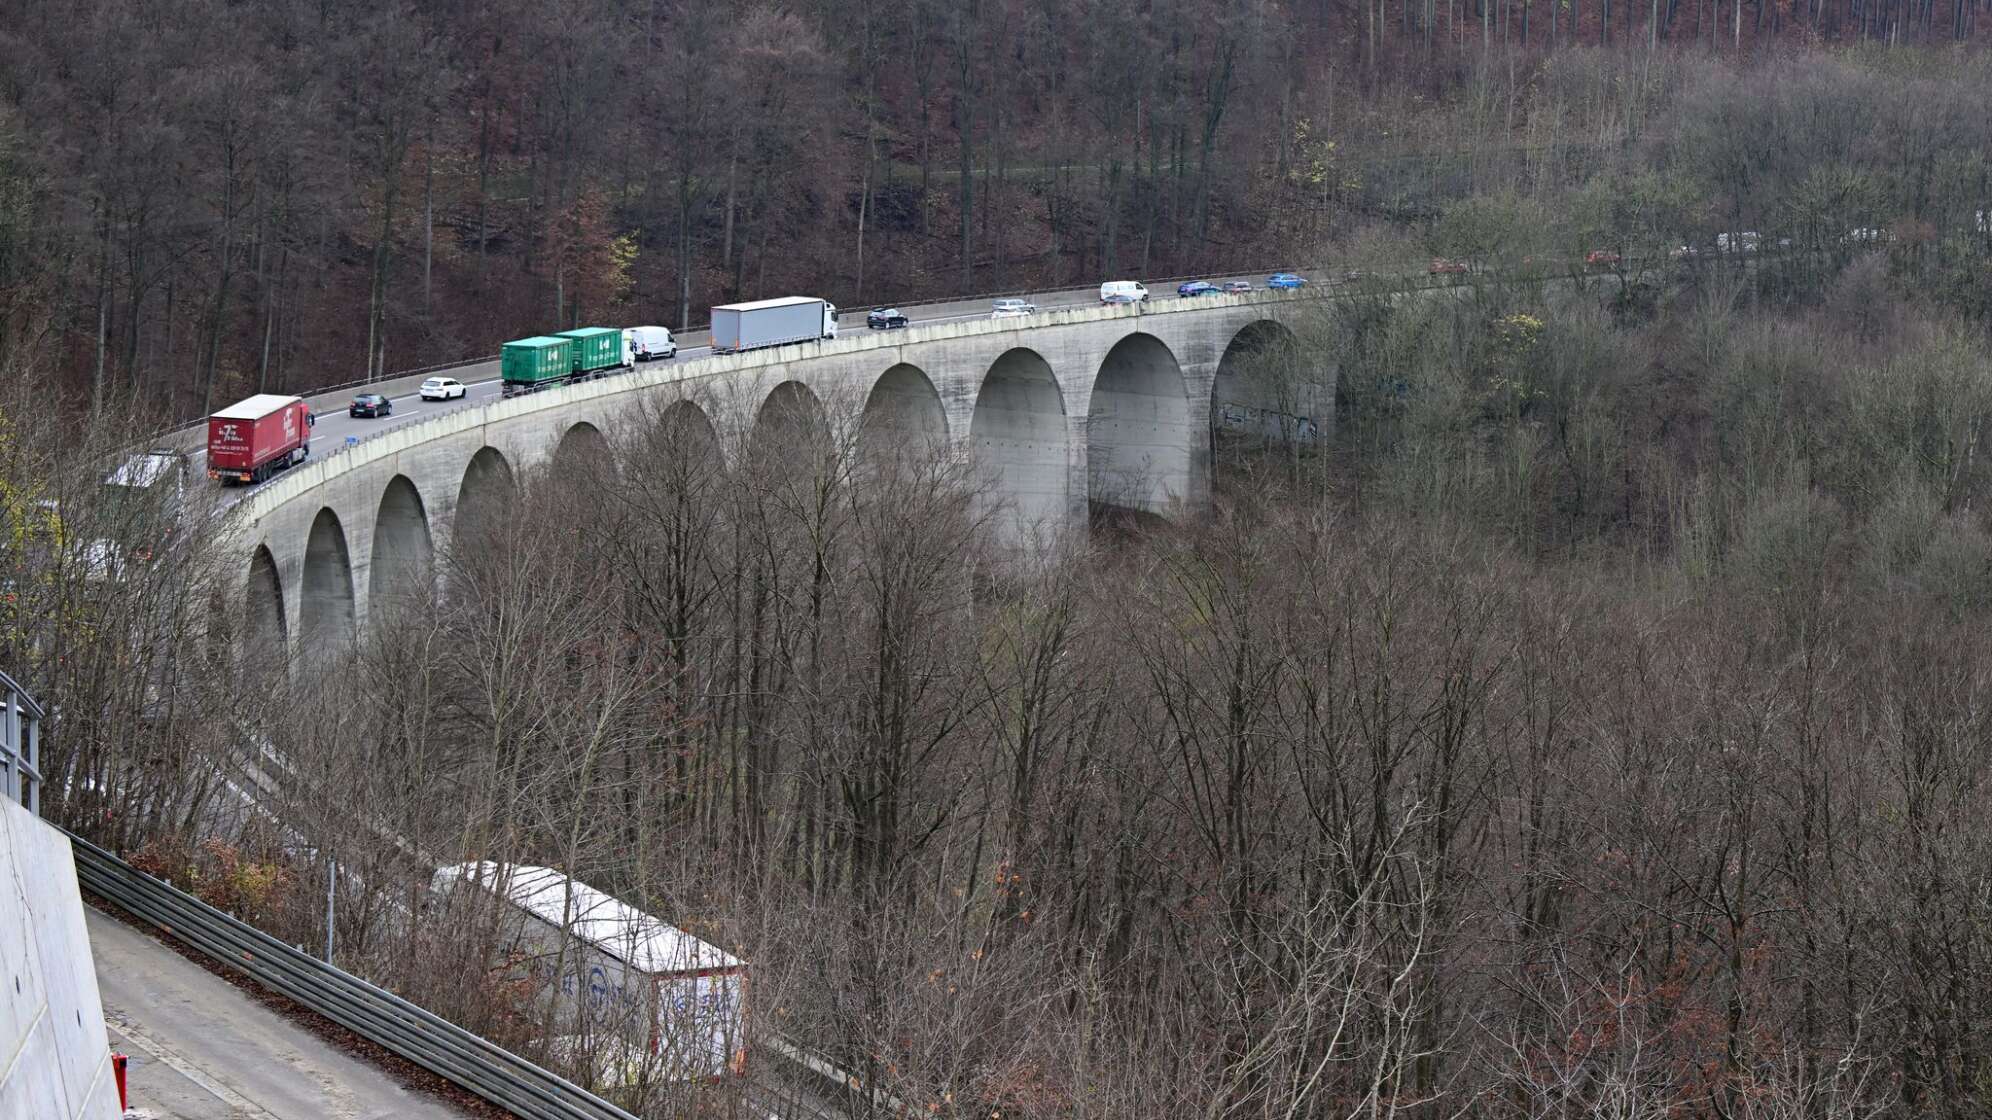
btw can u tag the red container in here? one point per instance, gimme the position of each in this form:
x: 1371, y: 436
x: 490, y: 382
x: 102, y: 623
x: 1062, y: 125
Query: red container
x: 250, y: 440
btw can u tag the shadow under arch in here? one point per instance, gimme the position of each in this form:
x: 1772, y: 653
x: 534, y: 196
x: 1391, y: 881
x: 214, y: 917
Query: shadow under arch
x: 326, y: 622
x: 582, y: 447
x: 485, y: 497
x: 403, y: 565
x: 790, y: 430
x: 685, y: 422
x: 265, y: 628
x: 1142, y: 451
x: 1018, y: 441
x: 1266, y: 393
x: 903, y: 415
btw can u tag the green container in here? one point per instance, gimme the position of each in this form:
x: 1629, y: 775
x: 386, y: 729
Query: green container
x: 595, y: 347
x: 530, y: 361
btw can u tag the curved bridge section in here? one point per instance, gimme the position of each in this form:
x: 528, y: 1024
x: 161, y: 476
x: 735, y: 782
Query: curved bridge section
x: 1107, y: 407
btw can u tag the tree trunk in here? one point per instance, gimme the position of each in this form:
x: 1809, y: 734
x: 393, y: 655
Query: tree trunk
x: 685, y: 249
x: 732, y: 200
x: 428, y: 221
x: 965, y: 124
x: 377, y: 299
x: 483, y: 187
x: 103, y: 312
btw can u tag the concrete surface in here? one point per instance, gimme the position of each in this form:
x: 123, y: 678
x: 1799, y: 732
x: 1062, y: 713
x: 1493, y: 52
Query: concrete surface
x: 201, y: 1049
x: 55, y: 1063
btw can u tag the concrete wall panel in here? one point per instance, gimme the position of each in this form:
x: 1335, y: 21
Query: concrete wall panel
x: 55, y: 1057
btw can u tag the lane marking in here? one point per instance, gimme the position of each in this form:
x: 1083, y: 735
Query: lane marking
x: 165, y: 1056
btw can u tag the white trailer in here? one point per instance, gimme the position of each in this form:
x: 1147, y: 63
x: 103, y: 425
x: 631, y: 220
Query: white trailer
x: 771, y: 322
x: 611, y: 968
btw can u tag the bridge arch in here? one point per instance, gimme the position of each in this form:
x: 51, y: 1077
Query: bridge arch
x: 903, y: 412
x: 1265, y: 392
x: 687, y: 422
x: 582, y: 448
x: 1140, y: 443
x: 1018, y: 438
x: 484, y: 497
x: 264, y: 624
x: 326, y: 623
x: 402, y: 568
x: 790, y: 428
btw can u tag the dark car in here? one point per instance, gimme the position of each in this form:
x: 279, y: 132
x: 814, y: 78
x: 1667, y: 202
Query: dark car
x: 370, y: 404
x: 884, y: 318
x: 1197, y: 288
x: 1233, y: 287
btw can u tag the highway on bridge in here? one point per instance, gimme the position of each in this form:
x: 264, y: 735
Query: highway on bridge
x: 335, y: 425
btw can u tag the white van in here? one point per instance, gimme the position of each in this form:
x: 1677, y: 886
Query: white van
x: 1123, y: 291
x: 646, y: 343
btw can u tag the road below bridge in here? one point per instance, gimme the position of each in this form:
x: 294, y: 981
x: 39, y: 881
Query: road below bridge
x: 202, y: 1049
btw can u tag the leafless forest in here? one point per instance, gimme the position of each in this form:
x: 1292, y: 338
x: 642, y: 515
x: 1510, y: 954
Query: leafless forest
x: 1594, y: 726
x: 227, y: 198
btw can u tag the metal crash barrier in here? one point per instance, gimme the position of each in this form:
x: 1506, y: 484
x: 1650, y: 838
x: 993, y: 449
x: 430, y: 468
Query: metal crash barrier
x: 377, y: 1015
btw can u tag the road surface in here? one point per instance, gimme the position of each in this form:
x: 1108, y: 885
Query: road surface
x: 201, y: 1049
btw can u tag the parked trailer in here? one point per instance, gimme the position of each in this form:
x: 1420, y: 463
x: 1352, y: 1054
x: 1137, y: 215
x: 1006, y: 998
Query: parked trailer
x: 528, y: 365
x: 597, y: 350
x: 609, y: 969
x: 771, y: 322
x: 253, y: 439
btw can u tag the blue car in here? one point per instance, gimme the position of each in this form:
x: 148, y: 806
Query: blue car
x: 1197, y: 288
x: 1285, y: 280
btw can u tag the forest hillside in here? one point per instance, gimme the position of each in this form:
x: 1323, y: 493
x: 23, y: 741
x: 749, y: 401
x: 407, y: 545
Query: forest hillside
x: 240, y: 197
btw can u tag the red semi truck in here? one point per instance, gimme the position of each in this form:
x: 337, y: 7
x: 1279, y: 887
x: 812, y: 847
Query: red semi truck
x: 253, y: 439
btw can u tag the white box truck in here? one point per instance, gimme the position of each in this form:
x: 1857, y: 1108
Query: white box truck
x: 771, y: 322
x: 607, y: 968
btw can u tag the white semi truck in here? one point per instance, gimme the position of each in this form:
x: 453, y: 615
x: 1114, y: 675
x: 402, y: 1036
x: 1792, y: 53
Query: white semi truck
x: 772, y: 322
x: 607, y: 968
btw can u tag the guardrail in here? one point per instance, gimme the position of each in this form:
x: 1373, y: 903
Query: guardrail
x: 20, y: 745
x: 380, y: 1016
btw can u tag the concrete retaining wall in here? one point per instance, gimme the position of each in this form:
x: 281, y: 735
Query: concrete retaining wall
x: 55, y: 1058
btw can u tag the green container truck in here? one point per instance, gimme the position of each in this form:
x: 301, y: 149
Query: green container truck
x: 596, y: 349
x: 531, y: 364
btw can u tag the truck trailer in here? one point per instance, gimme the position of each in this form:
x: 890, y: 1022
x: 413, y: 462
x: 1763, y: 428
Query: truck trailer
x: 598, y: 350
x: 253, y: 439
x: 608, y: 970
x: 771, y: 322
x: 528, y: 365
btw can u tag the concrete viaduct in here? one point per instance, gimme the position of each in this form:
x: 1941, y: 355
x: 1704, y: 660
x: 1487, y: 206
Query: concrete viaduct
x: 1109, y: 405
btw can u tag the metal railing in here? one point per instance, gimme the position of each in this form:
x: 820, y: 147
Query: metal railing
x: 20, y: 745
x: 377, y: 1015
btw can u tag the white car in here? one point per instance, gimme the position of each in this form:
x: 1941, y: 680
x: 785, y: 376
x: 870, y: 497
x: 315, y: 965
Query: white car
x: 1123, y: 291
x: 1011, y: 309
x: 443, y: 389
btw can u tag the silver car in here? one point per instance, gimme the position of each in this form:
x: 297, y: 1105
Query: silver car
x: 1011, y: 309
